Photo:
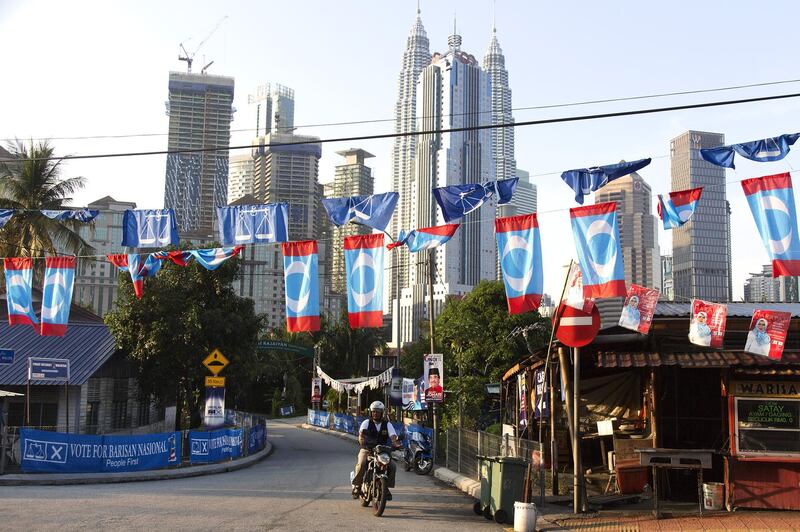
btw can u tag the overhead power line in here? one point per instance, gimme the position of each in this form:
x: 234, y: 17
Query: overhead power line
x: 525, y: 108
x: 543, y: 121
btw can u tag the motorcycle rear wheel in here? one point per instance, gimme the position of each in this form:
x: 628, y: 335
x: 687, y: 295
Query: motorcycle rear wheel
x: 379, y: 501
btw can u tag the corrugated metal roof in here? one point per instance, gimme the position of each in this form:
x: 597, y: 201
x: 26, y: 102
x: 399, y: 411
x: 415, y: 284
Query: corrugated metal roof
x: 705, y: 359
x: 668, y: 308
x: 86, y: 345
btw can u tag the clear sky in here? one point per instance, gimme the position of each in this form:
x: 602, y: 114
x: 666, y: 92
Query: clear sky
x: 95, y: 68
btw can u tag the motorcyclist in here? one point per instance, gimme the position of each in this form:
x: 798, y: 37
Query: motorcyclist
x: 377, y: 430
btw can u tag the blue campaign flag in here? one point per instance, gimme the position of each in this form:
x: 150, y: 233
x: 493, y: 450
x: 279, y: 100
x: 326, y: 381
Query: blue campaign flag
x: 81, y: 215
x: 762, y: 151
x: 586, y: 180
x: 594, y: 228
x: 679, y: 207
x: 456, y: 201
x: 373, y: 211
x: 5, y: 216
x: 301, y: 283
x: 256, y: 438
x: 520, y: 250
x: 57, y: 452
x: 251, y: 224
x: 149, y: 228
x: 211, y: 259
x: 19, y: 290
x: 214, y: 446
x: 59, y: 280
x: 363, y: 258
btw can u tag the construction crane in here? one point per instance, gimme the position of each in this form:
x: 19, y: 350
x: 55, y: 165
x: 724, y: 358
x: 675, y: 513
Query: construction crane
x: 190, y: 57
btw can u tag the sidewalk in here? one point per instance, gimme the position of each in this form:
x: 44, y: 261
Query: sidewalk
x: 58, y: 479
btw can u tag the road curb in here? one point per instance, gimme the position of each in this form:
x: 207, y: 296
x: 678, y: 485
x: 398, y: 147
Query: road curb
x: 63, y: 479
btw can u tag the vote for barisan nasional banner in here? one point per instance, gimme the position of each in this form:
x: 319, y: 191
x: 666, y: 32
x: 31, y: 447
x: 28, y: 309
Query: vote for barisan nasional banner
x: 520, y: 250
x: 771, y: 201
x: 363, y: 257
x: 302, y: 285
x: 594, y: 228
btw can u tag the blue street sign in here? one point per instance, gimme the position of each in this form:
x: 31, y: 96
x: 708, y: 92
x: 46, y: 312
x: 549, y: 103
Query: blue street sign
x: 6, y: 356
x: 49, y: 369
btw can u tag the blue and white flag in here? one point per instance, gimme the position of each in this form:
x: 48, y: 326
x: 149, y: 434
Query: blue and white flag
x: 251, y: 224
x: 679, y: 207
x: 19, y: 290
x: 520, y: 251
x: 762, y: 151
x: 211, y: 259
x: 456, y: 201
x: 594, y: 228
x: 81, y: 215
x: 363, y: 259
x: 425, y: 237
x: 5, y: 216
x: 373, y: 211
x: 59, y: 280
x: 149, y: 228
x: 301, y: 281
x: 586, y: 180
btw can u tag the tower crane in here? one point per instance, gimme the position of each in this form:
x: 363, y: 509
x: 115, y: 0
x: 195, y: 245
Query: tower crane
x: 190, y: 57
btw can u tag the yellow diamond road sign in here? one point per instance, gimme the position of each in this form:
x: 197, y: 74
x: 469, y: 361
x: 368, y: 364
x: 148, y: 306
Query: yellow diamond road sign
x: 215, y: 361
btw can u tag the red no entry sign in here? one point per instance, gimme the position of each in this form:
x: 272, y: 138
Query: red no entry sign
x: 577, y: 328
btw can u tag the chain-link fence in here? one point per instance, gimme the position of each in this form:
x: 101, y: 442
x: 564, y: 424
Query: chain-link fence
x: 463, y: 447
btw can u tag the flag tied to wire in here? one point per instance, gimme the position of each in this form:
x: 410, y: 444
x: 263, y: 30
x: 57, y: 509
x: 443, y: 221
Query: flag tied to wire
x: 302, y: 285
x: 425, y: 238
x: 586, y: 180
x: 771, y: 201
x: 520, y: 250
x: 149, y: 228
x: 59, y: 280
x: 456, y: 201
x: 137, y: 268
x: 762, y: 151
x: 80, y: 215
x: 19, y: 290
x: 363, y: 256
x: 679, y: 207
x: 251, y: 224
x: 594, y: 228
x: 373, y: 211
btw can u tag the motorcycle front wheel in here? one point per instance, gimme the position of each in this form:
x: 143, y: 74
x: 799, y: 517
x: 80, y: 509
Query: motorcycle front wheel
x: 423, y: 466
x: 379, y: 499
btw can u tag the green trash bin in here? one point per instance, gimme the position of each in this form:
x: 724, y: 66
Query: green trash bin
x: 507, y: 486
x: 483, y: 506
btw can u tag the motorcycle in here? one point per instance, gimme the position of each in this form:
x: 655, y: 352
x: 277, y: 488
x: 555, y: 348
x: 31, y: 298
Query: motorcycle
x: 417, y: 455
x: 374, y: 487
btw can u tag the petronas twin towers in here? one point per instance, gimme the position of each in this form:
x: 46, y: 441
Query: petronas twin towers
x: 436, y: 93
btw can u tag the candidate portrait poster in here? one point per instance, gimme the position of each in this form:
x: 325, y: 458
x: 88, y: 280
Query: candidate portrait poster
x: 316, y: 390
x: 640, y: 305
x: 707, y: 325
x: 522, y: 391
x: 434, y: 378
x: 767, y: 335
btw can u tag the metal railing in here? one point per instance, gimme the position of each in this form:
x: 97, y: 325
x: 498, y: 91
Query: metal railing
x: 463, y: 447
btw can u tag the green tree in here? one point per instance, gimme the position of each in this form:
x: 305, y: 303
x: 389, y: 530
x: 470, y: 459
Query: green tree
x: 184, y: 314
x: 31, y: 182
x: 474, y: 333
x: 345, y: 352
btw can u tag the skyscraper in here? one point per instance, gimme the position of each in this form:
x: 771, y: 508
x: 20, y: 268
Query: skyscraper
x: 667, y: 282
x: 353, y: 178
x: 637, y: 229
x: 240, y: 177
x: 452, y: 92
x: 494, y: 63
x: 416, y: 56
x: 764, y: 288
x: 200, y: 110
x: 274, y: 109
x: 701, y: 247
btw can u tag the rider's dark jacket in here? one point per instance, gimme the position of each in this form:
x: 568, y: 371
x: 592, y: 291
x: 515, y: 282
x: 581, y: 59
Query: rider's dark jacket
x: 373, y: 436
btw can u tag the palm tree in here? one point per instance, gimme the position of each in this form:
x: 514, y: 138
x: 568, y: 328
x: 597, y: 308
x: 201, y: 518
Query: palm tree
x: 29, y: 182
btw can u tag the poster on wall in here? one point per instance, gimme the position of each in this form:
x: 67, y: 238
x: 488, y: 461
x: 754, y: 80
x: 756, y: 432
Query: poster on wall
x: 640, y: 305
x: 434, y: 378
x: 215, y: 407
x: 707, y: 325
x: 408, y: 394
x: 316, y: 390
x: 767, y: 334
x: 522, y: 396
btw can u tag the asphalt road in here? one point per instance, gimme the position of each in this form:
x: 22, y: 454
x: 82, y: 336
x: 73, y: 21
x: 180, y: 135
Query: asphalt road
x: 303, y: 485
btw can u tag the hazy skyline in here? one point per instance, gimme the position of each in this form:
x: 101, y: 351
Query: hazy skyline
x: 101, y: 69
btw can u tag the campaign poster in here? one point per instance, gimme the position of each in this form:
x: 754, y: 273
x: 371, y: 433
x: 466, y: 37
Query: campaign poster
x: 215, y: 407
x: 640, y: 305
x: 316, y: 390
x: 434, y: 378
x: 522, y: 396
x: 540, y: 402
x: 216, y: 445
x: 396, y: 388
x: 408, y: 394
x: 767, y: 334
x: 256, y: 438
x: 707, y: 325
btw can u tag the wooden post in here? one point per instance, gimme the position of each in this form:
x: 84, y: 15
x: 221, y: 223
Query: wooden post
x: 553, y: 444
x: 577, y: 473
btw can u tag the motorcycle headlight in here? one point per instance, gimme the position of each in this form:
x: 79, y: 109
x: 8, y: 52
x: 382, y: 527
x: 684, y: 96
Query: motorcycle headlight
x: 384, y: 458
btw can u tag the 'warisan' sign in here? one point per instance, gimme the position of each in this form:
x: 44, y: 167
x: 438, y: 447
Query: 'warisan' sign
x: 770, y: 388
x: 56, y: 452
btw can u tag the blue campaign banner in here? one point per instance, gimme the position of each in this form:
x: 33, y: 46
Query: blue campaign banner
x: 215, y: 446
x: 57, y: 452
x: 6, y: 356
x: 256, y: 438
x: 344, y: 422
x: 413, y: 430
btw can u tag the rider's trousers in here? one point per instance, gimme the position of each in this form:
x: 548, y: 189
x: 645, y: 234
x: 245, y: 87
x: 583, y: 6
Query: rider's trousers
x: 361, y: 468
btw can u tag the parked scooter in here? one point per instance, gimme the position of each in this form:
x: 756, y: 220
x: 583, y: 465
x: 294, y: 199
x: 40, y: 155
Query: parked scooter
x: 374, y: 486
x: 417, y: 455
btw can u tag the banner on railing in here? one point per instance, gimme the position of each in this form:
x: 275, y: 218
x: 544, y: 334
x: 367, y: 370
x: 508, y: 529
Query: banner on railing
x: 214, y: 446
x: 57, y: 452
x: 319, y: 418
x: 256, y: 438
x: 344, y: 422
